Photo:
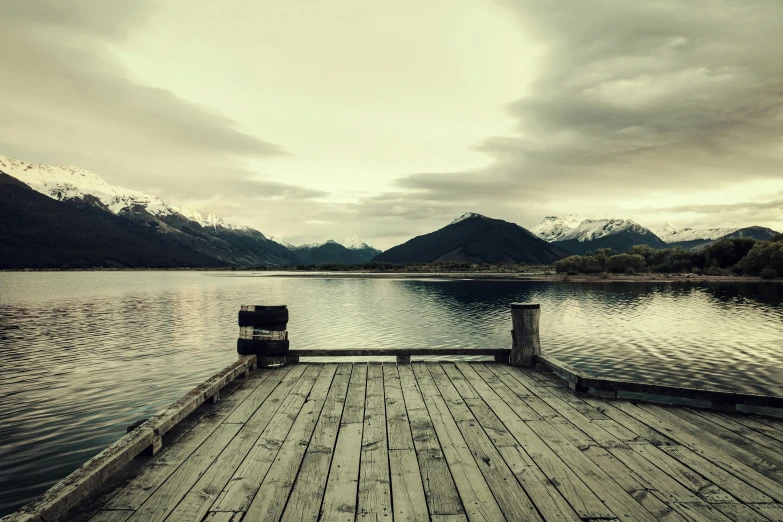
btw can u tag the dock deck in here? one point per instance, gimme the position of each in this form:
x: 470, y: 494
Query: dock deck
x: 447, y: 442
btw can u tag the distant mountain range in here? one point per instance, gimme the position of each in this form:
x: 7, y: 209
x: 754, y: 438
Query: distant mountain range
x: 54, y: 217
x: 579, y: 235
x: 474, y: 238
x: 350, y: 251
x: 690, y: 238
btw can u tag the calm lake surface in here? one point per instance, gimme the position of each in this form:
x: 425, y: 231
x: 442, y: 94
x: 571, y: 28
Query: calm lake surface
x: 84, y: 354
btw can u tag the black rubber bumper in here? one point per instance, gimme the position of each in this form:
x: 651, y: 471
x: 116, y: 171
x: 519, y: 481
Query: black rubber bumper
x: 261, y: 347
x: 271, y: 319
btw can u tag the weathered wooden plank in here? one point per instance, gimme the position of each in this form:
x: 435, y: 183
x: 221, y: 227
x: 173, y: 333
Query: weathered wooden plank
x: 231, y: 486
x: 581, y: 498
x: 224, y: 516
x: 632, y: 484
x: 704, y: 448
x: 584, y: 381
x: 700, y: 512
x: 735, y: 432
x: 476, y: 495
x: 449, y: 518
x: 439, y: 488
x: 736, y: 486
x: 385, y: 352
x: 95, y: 472
x: 165, y: 498
x: 374, y: 482
x: 397, y: 425
x: 304, y: 503
x: 339, y: 501
x: 546, y: 497
x: 754, y: 423
x: 552, y: 395
x: 512, y: 499
x: 271, y: 497
x: 698, y: 430
x: 772, y: 512
x: 704, y: 488
x: 219, y: 455
x: 564, y: 438
x: 526, y: 405
x: 643, y: 431
x: 622, y: 505
x: 672, y: 481
x: 410, y: 504
x: 740, y: 512
x: 148, y: 481
x: 111, y: 515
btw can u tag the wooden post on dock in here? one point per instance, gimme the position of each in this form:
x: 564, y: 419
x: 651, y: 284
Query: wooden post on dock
x: 524, y: 334
x: 262, y: 332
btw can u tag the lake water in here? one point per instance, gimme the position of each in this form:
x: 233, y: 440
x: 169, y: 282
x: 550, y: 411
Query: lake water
x: 84, y: 354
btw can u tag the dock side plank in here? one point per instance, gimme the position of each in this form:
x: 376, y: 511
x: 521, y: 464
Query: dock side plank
x: 148, y: 480
x: 165, y: 498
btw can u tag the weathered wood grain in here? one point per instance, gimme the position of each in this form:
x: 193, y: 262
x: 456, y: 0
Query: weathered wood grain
x: 439, y: 488
x: 271, y: 497
x: 374, y: 482
x: 304, y: 503
x: 440, y: 441
x: 339, y: 502
x: 475, y: 493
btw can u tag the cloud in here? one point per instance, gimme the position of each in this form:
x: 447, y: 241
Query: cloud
x: 631, y: 101
x: 633, y: 98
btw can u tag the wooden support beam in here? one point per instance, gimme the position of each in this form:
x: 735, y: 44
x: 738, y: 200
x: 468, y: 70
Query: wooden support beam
x: 526, y: 344
x: 403, y: 359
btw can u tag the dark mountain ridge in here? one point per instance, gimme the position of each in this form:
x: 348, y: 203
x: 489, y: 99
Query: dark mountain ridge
x: 39, y: 232
x: 475, y: 239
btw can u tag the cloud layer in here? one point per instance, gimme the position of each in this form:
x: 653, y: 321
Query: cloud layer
x: 633, y: 102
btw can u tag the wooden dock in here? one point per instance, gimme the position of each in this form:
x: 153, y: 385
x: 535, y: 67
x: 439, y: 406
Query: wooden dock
x: 442, y: 441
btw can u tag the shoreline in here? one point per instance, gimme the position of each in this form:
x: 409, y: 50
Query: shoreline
x: 487, y: 276
x: 553, y: 278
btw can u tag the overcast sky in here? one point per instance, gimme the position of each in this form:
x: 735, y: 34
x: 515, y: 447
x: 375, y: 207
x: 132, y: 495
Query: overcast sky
x: 316, y: 120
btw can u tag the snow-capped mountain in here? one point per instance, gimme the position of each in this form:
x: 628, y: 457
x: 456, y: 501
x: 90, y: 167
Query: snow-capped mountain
x: 279, y: 241
x: 554, y: 228
x: 68, y: 183
x: 589, y: 234
x: 351, y: 243
x: 349, y: 251
x: 166, y: 229
x: 468, y: 215
x: 354, y: 243
x: 592, y: 229
x: 670, y: 234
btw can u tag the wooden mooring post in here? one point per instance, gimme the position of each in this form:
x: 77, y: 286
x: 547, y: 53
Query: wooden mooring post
x: 524, y: 334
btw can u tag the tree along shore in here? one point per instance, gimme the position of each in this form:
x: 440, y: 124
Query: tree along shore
x: 727, y: 257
